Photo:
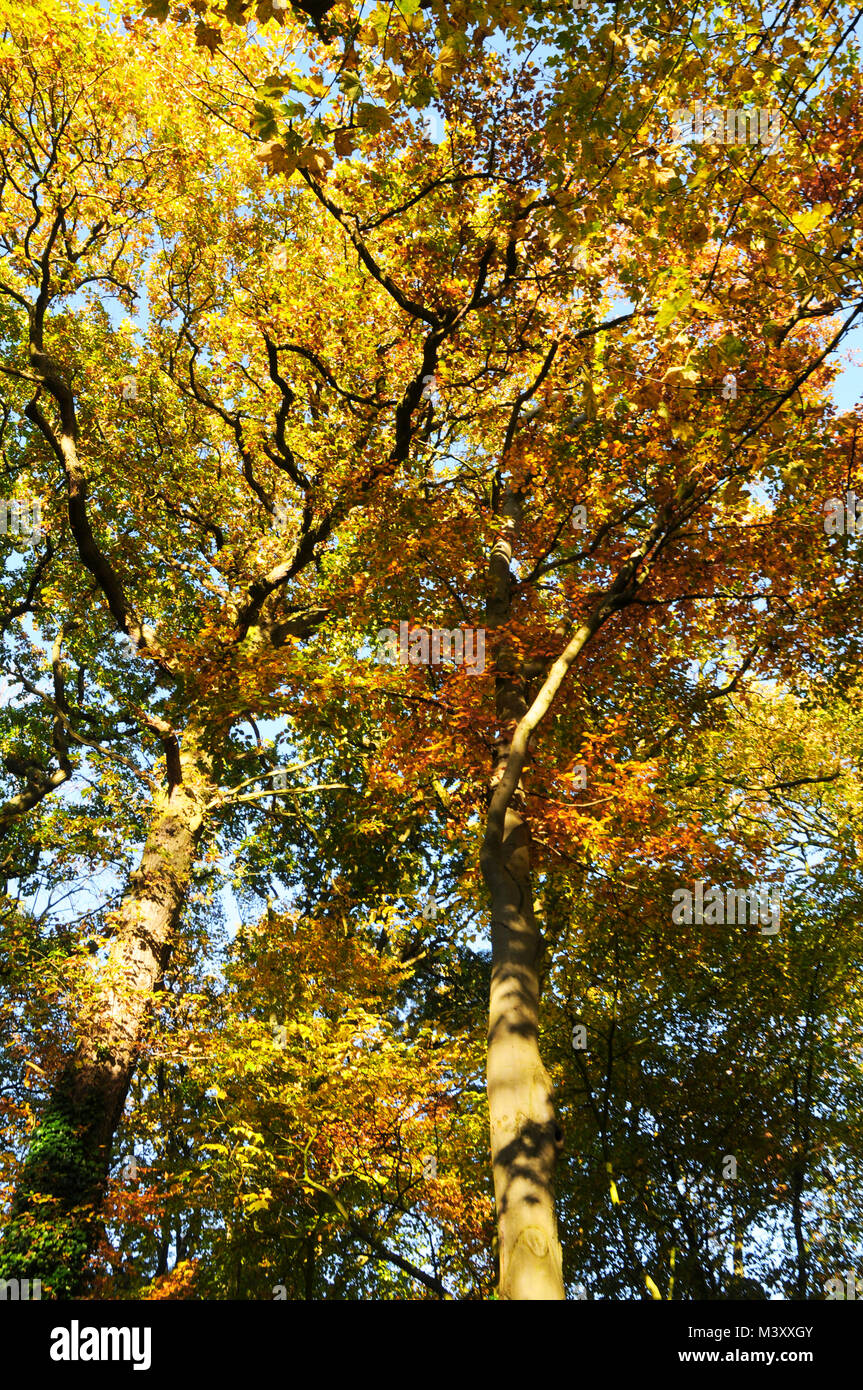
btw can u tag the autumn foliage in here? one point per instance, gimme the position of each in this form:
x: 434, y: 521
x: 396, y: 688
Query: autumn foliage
x: 321, y: 319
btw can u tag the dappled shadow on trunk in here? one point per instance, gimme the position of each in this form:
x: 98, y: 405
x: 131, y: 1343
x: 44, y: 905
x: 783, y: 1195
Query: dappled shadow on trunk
x: 525, y: 1135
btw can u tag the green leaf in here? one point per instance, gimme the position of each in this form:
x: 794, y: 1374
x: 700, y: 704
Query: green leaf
x: 350, y: 85
x: 264, y: 122
x: 373, y: 117
x: 670, y: 308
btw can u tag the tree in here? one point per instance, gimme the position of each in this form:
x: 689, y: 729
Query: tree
x: 558, y: 314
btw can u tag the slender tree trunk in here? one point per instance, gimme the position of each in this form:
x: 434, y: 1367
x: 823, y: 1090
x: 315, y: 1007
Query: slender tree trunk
x: 54, y: 1222
x: 525, y: 1136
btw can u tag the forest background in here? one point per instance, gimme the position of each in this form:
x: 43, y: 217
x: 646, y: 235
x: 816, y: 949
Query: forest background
x: 322, y: 319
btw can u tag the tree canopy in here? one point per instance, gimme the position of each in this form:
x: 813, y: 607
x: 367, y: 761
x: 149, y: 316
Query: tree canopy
x: 430, y: 554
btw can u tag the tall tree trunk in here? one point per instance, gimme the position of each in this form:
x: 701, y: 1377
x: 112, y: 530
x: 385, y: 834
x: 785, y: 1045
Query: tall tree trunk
x: 70, y: 1153
x: 525, y: 1136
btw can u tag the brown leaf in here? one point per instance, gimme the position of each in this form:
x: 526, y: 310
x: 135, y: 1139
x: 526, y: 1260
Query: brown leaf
x: 276, y: 157
x: 207, y: 37
x: 316, y: 161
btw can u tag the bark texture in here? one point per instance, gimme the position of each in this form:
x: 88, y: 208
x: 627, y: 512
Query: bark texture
x: 54, y: 1223
x: 525, y: 1136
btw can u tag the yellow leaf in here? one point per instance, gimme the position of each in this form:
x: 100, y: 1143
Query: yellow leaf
x: 276, y: 158
x: 703, y: 308
x: 810, y: 220
x: 316, y: 161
